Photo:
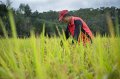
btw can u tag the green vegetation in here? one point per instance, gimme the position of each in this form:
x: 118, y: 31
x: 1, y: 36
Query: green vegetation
x: 26, y: 20
x: 41, y: 57
x: 45, y: 58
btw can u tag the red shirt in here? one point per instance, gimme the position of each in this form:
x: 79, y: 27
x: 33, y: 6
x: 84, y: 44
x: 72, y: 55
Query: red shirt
x: 85, y: 36
x: 71, y: 26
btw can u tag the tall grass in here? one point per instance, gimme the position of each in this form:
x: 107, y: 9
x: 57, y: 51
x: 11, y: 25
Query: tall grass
x: 45, y: 58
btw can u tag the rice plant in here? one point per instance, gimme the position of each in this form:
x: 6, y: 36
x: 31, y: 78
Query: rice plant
x: 45, y: 58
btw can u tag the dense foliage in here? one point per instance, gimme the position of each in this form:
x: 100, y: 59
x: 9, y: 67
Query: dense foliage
x: 27, y: 20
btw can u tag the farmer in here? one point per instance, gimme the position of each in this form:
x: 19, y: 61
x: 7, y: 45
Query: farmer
x: 76, y: 27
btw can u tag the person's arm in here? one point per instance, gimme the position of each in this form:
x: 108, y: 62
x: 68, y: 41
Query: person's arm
x: 78, y: 26
x: 67, y: 33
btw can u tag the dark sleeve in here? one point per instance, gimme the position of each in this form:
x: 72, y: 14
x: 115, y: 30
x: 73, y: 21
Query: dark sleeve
x: 78, y: 25
x: 67, y: 33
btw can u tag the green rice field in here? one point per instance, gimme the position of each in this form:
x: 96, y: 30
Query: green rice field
x: 44, y: 58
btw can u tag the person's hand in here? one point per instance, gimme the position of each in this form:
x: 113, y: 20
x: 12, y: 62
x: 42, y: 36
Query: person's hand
x: 61, y: 43
x: 72, y: 41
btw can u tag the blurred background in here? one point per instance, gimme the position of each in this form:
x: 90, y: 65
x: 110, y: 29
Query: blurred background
x: 32, y: 14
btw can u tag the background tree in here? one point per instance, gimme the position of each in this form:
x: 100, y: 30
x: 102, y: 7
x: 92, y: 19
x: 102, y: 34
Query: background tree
x: 27, y: 20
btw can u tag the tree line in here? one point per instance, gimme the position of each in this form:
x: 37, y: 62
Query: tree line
x: 26, y: 20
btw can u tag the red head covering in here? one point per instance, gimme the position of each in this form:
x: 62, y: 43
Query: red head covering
x: 62, y: 13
